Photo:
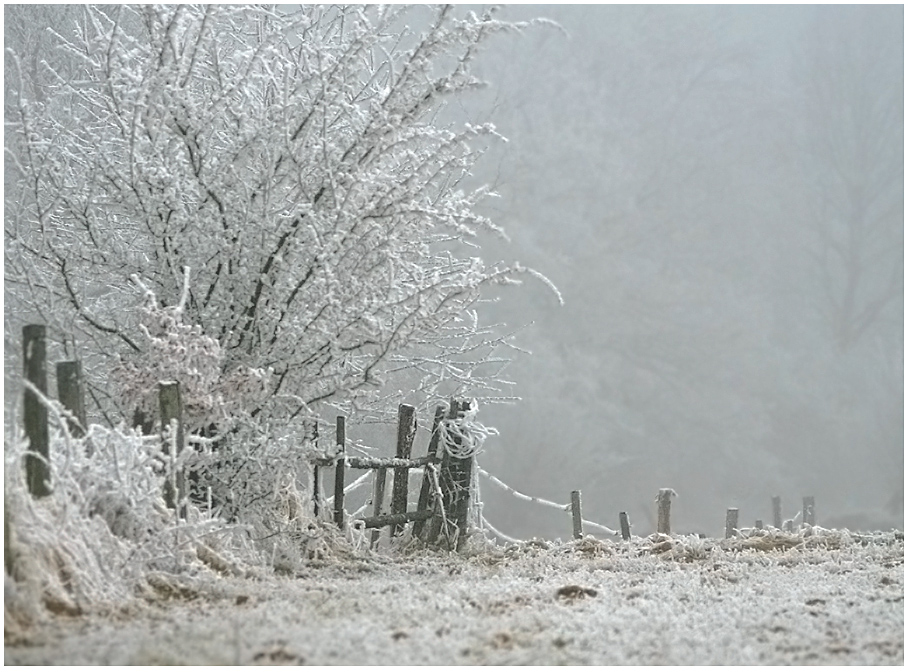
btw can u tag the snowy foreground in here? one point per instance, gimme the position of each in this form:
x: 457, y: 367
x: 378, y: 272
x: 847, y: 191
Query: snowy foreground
x: 826, y: 598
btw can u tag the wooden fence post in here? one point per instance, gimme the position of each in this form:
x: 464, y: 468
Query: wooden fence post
x: 71, y: 394
x: 731, y: 522
x: 455, y: 484
x: 777, y: 513
x: 37, y: 467
x: 809, y: 510
x: 407, y: 429
x: 576, y: 514
x: 624, y: 525
x: 663, y: 510
x: 171, y: 408
x: 759, y: 524
x: 317, y: 481
x: 379, y: 476
x: 458, y: 480
x: 424, y: 499
x: 339, y: 472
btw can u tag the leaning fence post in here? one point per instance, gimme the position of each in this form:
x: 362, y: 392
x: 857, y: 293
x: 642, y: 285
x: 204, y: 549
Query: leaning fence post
x: 70, y: 393
x: 339, y: 472
x: 809, y: 510
x: 407, y: 428
x: 37, y: 461
x: 171, y: 408
x: 460, y: 482
x: 455, y: 484
x: 624, y: 525
x: 663, y: 510
x: 576, y: 514
x: 378, y: 495
x: 777, y: 513
x: 424, y: 498
x: 731, y: 522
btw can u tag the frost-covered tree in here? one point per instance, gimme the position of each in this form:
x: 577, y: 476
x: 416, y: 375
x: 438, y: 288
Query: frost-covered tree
x: 290, y: 162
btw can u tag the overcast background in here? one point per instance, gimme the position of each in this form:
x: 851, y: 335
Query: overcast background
x: 718, y: 194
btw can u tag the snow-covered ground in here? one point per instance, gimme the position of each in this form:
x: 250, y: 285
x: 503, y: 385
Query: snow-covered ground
x: 825, y: 598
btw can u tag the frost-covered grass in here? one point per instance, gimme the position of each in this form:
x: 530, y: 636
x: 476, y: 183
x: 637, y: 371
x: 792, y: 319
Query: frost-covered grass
x: 100, y: 572
x: 585, y: 602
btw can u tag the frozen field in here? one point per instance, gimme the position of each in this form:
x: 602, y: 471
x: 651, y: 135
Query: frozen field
x: 826, y: 599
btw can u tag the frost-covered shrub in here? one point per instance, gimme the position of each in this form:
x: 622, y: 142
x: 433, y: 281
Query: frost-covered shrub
x: 175, y: 351
x: 296, y: 162
x: 104, y: 535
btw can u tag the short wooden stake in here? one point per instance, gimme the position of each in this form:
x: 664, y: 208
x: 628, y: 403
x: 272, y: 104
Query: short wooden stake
x: 778, y: 517
x: 576, y: 514
x: 663, y: 510
x: 759, y: 524
x: 70, y: 393
x: 809, y: 510
x: 37, y: 466
x: 379, y: 478
x: 407, y: 429
x: 339, y: 472
x: 170, y: 406
x: 732, y: 522
x: 624, y: 525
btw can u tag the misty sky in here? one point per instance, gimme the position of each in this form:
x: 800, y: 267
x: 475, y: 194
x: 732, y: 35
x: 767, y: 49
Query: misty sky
x: 718, y: 194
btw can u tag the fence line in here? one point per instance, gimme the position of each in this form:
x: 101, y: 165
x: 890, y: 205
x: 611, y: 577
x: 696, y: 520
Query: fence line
x: 543, y: 502
x: 450, y: 487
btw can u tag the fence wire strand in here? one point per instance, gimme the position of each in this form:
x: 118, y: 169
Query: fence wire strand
x: 538, y: 500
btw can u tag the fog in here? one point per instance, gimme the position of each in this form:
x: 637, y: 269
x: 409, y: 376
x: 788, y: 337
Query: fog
x: 718, y: 194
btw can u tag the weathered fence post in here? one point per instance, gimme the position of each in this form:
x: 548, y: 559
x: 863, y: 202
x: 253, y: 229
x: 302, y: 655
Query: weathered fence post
x: 777, y: 514
x: 171, y: 408
x: 731, y: 522
x: 663, y: 510
x: 424, y: 498
x: 809, y: 510
x: 759, y: 524
x: 317, y: 481
x: 37, y: 466
x: 379, y: 477
x: 9, y: 563
x: 339, y: 472
x: 624, y: 525
x: 455, y: 484
x: 458, y: 480
x: 407, y: 429
x: 576, y: 514
x: 71, y: 395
